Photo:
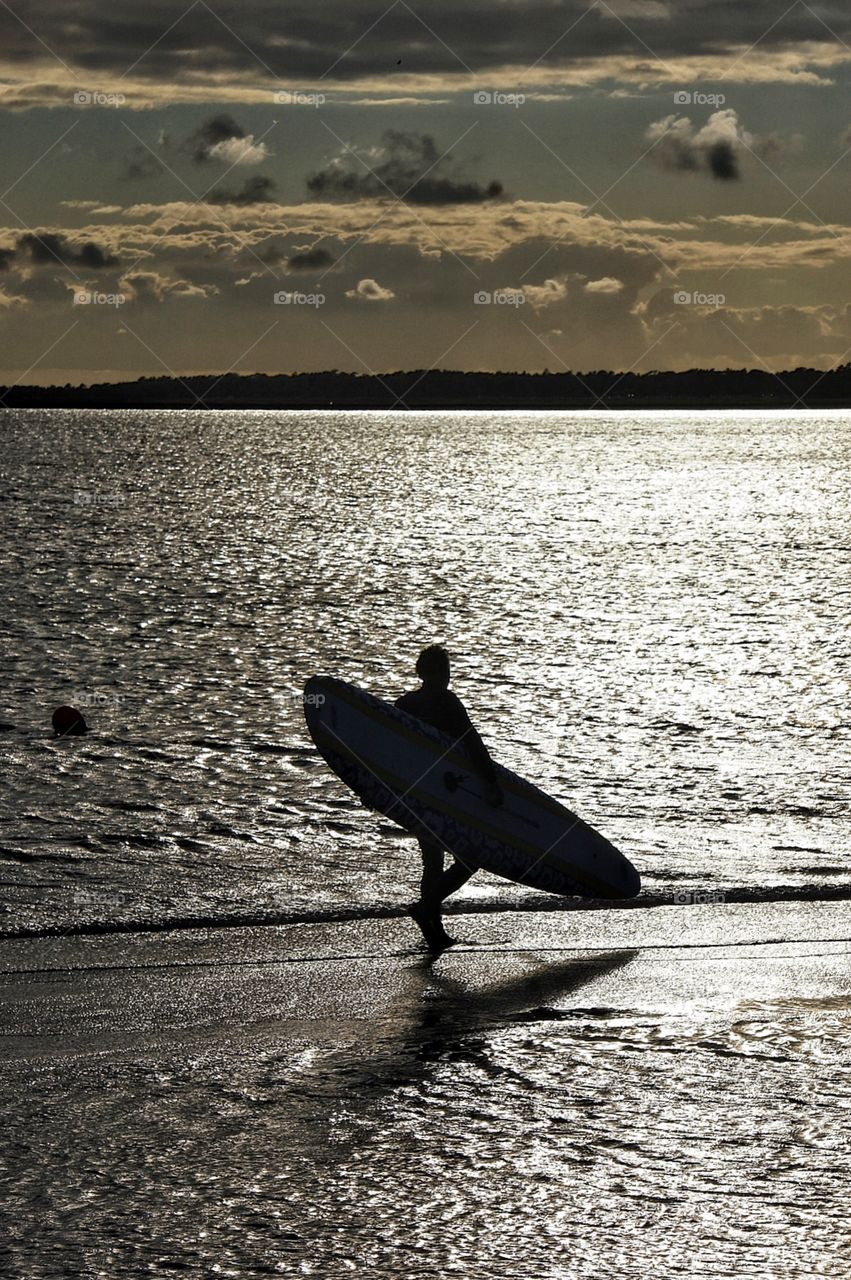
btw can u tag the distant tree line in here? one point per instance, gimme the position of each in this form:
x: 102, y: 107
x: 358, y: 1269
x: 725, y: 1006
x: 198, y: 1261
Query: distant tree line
x: 440, y: 388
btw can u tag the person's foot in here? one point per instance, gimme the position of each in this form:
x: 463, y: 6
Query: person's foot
x: 430, y: 926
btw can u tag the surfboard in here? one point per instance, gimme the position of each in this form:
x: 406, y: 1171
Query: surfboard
x: 421, y: 779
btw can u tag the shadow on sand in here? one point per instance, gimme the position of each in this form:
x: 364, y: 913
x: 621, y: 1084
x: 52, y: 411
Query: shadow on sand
x: 450, y: 1016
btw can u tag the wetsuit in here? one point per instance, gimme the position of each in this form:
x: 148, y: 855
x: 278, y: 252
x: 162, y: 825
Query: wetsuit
x: 442, y: 709
x: 446, y: 712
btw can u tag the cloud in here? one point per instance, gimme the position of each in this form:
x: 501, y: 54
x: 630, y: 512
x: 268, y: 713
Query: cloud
x: 239, y: 151
x: 255, y: 190
x: 370, y: 291
x: 218, y: 139
x: 153, y: 286
x: 608, y: 284
x: 143, y: 161
x: 193, y: 254
x: 635, y: 9
x: 715, y: 149
x: 543, y: 295
x: 759, y: 337
x: 405, y: 165
x: 7, y: 256
x: 777, y: 146
x: 563, y: 235
x: 48, y: 247
x: 310, y: 259
x: 211, y: 135
x: 190, y: 55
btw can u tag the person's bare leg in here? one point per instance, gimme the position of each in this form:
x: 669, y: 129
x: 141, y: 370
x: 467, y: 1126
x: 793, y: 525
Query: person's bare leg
x: 455, y: 875
x: 432, y: 878
x: 426, y: 912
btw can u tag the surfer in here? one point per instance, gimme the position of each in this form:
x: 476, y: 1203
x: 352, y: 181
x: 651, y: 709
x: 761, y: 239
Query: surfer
x: 437, y: 705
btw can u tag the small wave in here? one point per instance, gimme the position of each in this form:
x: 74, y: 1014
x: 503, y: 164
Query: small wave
x: 130, y: 806
x: 22, y: 855
x: 677, y: 726
x: 138, y: 841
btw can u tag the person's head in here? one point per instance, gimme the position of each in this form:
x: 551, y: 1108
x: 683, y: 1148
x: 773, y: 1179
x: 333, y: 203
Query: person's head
x: 433, y: 666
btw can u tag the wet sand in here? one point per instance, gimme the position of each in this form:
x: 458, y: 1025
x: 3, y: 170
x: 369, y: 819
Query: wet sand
x: 602, y: 1093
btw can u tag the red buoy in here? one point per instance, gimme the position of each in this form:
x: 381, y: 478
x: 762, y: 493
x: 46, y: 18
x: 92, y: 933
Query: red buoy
x: 68, y: 721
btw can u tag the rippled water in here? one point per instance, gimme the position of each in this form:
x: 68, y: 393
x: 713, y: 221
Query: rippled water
x: 528, y: 1128
x: 649, y: 615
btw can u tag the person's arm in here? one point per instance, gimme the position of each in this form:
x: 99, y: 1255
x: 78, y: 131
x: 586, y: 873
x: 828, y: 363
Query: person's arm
x: 477, y: 751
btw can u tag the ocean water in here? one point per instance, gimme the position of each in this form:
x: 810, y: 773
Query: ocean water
x: 648, y: 615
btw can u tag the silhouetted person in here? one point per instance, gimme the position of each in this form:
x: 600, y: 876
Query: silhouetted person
x: 68, y: 722
x: 435, y: 703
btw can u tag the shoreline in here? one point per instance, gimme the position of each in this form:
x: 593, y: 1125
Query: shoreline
x: 646, y: 901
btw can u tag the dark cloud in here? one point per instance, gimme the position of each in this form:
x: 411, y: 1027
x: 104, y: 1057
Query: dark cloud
x: 48, y: 247
x: 6, y: 258
x: 272, y: 254
x: 219, y: 128
x: 310, y: 259
x: 206, y: 144
x: 165, y: 40
x: 408, y: 166
x: 255, y: 190
x: 715, y: 149
x: 723, y: 161
x: 141, y: 164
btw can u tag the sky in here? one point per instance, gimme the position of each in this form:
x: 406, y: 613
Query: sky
x: 513, y: 185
